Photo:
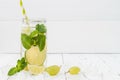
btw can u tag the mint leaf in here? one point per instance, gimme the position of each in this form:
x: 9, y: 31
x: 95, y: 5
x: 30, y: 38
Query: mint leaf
x: 42, y: 41
x: 34, y: 33
x: 41, y: 28
x: 26, y: 41
x: 23, y: 60
x: 12, y: 71
x: 21, y: 64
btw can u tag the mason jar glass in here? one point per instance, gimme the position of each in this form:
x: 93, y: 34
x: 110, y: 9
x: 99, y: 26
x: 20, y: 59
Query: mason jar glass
x: 33, y: 45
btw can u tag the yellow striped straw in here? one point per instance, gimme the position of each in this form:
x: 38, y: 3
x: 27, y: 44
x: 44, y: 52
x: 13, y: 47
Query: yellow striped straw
x: 24, y: 12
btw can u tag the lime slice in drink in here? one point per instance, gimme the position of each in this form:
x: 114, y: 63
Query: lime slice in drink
x: 35, y: 69
x: 34, y: 56
x: 26, y: 30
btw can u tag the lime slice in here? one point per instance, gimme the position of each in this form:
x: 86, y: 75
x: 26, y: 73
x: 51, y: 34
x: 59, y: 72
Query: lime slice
x: 34, y: 56
x: 26, y: 30
x: 35, y: 69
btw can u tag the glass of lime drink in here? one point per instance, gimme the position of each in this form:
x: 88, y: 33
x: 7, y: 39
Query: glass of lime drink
x: 33, y: 45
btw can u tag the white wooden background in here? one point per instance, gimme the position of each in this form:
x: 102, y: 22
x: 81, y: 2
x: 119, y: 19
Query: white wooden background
x: 80, y: 26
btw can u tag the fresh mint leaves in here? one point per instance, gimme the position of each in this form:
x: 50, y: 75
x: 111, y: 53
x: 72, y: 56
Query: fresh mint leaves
x: 26, y: 41
x: 12, y: 71
x: 37, y: 37
x: 41, y: 28
x: 42, y: 41
x: 34, y: 36
x: 21, y: 64
x: 34, y: 33
x: 41, y: 38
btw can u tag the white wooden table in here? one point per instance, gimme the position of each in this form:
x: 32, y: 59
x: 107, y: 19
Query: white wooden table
x: 93, y: 66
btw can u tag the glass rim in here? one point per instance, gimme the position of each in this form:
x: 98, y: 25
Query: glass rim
x: 34, y: 20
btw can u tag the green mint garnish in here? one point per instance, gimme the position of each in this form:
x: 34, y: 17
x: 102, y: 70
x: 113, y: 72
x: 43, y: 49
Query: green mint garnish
x: 42, y: 41
x: 41, y: 28
x: 21, y: 64
x: 26, y: 41
x: 12, y: 71
x: 37, y: 37
x: 34, y: 33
